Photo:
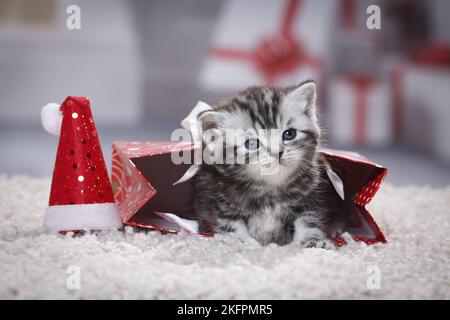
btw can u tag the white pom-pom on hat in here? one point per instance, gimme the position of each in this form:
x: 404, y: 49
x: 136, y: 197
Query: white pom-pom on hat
x: 51, y: 118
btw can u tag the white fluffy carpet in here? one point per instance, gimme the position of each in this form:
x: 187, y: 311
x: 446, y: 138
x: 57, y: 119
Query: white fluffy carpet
x: 33, y: 263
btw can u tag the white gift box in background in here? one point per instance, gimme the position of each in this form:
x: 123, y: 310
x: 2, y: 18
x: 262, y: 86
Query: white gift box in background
x: 268, y: 30
x: 39, y: 65
x: 360, y: 111
x: 425, y: 95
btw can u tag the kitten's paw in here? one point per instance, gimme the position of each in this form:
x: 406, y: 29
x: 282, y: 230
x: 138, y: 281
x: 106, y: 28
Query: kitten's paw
x: 316, y: 243
x: 236, y: 227
x: 310, y: 237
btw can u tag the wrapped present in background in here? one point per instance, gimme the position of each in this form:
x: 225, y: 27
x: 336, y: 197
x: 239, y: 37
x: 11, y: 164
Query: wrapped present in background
x: 269, y: 42
x: 360, y: 111
x: 154, y: 191
x: 421, y: 94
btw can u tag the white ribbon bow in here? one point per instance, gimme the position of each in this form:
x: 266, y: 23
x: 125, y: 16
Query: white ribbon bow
x: 190, y: 123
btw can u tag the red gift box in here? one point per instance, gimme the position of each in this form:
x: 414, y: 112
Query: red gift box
x: 150, y: 193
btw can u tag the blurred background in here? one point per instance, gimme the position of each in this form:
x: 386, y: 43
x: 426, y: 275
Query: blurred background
x: 383, y: 75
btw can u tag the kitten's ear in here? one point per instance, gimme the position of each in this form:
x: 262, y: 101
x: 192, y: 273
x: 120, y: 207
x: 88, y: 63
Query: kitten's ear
x: 209, y: 119
x: 200, y: 117
x: 304, y: 97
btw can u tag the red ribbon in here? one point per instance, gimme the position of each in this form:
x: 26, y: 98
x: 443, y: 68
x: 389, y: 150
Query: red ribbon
x: 348, y: 14
x: 276, y: 55
x: 396, y: 79
x: 435, y: 54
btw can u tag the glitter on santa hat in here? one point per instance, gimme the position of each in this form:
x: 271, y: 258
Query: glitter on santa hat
x: 81, y: 195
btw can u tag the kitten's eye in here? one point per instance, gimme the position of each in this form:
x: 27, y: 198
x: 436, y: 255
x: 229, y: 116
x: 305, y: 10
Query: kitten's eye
x: 289, y: 134
x: 252, y: 144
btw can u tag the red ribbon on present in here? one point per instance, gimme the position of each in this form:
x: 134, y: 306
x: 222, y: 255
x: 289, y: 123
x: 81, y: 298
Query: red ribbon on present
x: 361, y: 84
x: 396, y: 80
x: 275, y: 55
x: 435, y: 54
x: 348, y: 14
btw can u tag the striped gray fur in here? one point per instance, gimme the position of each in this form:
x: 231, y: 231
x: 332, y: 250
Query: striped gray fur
x: 295, y: 202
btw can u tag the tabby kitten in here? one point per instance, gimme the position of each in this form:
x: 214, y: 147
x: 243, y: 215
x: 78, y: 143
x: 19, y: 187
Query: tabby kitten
x: 281, y: 192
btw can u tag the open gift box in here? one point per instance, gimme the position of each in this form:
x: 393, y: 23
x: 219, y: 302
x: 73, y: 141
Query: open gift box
x: 153, y: 191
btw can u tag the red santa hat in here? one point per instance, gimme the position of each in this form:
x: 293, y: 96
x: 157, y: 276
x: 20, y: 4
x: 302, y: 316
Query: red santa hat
x: 81, y: 196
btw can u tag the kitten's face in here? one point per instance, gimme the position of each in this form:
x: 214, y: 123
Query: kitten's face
x: 269, y: 133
